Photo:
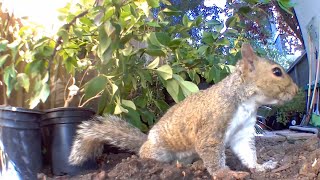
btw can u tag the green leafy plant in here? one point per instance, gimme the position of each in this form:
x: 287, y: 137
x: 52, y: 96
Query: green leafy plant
x: 20, y: 76
x: 294, y: 107
x: 127, y: 57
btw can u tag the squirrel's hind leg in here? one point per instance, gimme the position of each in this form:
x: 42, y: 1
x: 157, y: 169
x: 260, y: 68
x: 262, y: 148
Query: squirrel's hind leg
x: 154, y: 151
x: 212, y: 153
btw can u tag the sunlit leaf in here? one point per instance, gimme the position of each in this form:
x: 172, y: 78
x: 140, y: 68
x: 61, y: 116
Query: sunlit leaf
x: 172, y: 87
x: 3, y: 59
x: 9, y: 77
x: 23, y: 81
x: 128, y: 103
x: 119, y: 109
x: 114, y: 89
x: 185, y: 20
x: 165, y: 72
x: 153, y: 3
x: 45, y: 92
x: 154, y: 63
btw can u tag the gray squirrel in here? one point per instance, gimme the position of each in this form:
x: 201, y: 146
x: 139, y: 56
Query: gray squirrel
x: 203, y: 124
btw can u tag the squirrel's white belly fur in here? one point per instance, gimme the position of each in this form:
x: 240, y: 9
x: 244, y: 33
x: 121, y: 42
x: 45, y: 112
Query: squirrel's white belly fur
x: 242, y: 122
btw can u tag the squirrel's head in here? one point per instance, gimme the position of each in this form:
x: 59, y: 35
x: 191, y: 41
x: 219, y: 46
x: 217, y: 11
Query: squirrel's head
x: 269, y: 81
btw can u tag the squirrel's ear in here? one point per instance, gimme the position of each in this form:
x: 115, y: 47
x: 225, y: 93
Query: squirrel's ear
x: 248, y: 57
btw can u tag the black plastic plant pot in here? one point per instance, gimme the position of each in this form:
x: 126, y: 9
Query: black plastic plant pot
x: 21, y: 142
x: 58, y: 128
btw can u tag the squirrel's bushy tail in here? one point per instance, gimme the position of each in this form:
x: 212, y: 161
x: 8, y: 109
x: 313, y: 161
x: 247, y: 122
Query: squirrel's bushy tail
x: 93, y: 134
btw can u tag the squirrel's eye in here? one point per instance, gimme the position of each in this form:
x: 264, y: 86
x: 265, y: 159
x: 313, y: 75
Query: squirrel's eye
x: 277, y: 71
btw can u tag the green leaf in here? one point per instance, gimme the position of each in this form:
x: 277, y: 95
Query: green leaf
x: 203, y: 49
x: 232, y: 21
x: 245, y: 10
x: 214, y: 22
x: 172, y: 87
x: 142, y: 79
x: 70, y: 64
x: 86, y: 21
x: 9, y: 76
x: 165, y: 72
x: 175, y: 43
x: 95, y: 86
x: 163, y: 38
x: 223, y: 42
x: 133, y: 11
x: 109, y: 13
x: 154, y: 63
x: 214, y: 74
x: 153, y: 3
x: 141, y: 101
x: 194, y: 76
x: 119, y: 109
x: 109, y: 28
x: 127, y: 51
x: 64, y: 35
x: 171, y: 12
x: 105, y: 49
x: 162, y: 105
x: 104, y: 40
x: 148, y: 117
x: 128, y: 103
x: 154, y: 40
x: 188, y: 87
x: 103, y: 101
x: 153, y: 24
x: 185, y: 20
x: 207, y: 38
x: 78, y: 32
x: 114, y: 89
x: 265, y: 1
x: 134, y: 118
x: 23, y: 81
x: 155, y: 52
x: 45, y: 92
x: 143, y: 5
x: 3, y: 59
x: 231, y: 33
x: 3, y: 45
x: 199, y: 20
x: 252, y: 1
x: 286, y: 5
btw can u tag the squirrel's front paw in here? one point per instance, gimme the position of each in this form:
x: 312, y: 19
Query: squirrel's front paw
x: 266, y: 165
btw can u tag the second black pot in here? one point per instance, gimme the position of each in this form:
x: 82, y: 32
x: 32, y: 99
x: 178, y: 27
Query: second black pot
x: 58, y: 127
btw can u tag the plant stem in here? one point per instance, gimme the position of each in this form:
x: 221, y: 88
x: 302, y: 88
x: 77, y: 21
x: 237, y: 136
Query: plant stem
x: 59, y: 39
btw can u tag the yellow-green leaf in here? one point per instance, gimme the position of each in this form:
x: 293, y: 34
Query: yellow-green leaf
x: 154, y: 63
x: 165, y: 72
x: 129, y: 103
x: 3, y: 59
x: 114, y: 89
x: 172, y: 87
x: 153, y: 3
x: 23, y: 81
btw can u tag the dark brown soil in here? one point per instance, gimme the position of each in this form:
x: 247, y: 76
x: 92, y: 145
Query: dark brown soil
x: 296, y: 159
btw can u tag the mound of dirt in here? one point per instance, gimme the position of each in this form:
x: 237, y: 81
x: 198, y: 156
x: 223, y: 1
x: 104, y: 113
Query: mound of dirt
x: 296, y: 159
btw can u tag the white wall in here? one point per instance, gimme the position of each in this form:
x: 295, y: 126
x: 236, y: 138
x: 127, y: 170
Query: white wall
x: 305, y: 10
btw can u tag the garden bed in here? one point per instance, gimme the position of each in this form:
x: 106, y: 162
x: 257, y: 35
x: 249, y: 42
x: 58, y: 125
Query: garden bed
x: 298, y: 158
